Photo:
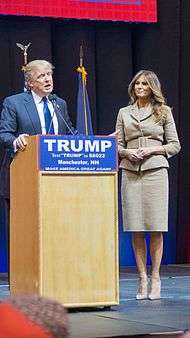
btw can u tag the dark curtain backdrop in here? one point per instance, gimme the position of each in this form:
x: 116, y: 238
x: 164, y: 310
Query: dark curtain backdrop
x: 113, y: 52
x: 183, y: 226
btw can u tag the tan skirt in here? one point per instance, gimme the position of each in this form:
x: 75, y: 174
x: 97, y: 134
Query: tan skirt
x: 145, y: 200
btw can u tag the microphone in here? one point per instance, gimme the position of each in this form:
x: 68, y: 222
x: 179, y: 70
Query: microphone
x: 53, y: 99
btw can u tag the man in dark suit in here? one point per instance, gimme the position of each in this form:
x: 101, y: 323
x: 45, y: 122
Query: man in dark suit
x: 33, y: 112
x: 24, y: 114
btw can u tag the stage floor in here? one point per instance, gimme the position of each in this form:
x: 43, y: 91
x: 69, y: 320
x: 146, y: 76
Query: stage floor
x: 169, y: 316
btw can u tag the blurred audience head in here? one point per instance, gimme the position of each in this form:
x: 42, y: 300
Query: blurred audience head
x: 32, y: 317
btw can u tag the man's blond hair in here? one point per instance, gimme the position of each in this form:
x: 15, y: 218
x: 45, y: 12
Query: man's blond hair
x: 31, y: 68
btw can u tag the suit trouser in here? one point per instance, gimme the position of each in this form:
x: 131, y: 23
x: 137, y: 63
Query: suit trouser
x: 5, y: 205
x: 7, y: 227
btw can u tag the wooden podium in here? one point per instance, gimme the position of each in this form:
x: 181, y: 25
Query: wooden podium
x: 63, y: 233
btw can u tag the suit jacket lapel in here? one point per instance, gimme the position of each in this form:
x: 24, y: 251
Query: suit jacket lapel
x: 135, y: 113
x: 32, y: 112
x: 60, y: 121
x: 60, y: 115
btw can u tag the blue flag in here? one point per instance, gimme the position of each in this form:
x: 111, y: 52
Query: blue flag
x: 84, y: 121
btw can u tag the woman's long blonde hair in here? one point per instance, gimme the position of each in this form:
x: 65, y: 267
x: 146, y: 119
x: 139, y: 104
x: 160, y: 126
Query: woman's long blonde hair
x: 157, y: 99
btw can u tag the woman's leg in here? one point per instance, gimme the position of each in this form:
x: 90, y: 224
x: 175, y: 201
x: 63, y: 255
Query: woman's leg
x: 156, y: 252
x: 139, y: 247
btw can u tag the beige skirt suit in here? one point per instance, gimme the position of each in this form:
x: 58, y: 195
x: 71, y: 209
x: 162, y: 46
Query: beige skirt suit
x: 145, y: 183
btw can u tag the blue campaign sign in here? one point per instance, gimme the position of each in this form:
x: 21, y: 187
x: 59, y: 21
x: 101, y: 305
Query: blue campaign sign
x: 77, y: 153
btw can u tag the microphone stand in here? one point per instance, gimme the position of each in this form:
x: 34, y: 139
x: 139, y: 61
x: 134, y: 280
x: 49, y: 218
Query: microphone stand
x: 53, y: 99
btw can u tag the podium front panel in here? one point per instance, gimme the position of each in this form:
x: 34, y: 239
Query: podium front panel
x: 79, y: 238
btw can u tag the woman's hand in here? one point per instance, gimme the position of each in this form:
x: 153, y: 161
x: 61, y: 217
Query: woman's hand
x: 148, y: 151
x: 145, y: 152
x: 134, y: 155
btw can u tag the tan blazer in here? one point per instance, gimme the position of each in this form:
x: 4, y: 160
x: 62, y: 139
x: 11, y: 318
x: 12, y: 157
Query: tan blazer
x: 146, y: 132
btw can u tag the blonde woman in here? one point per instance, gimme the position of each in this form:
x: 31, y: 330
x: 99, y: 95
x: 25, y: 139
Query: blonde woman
x: 147, y: 137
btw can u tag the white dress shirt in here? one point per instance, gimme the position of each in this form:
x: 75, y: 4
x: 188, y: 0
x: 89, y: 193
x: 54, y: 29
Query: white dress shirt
x: 39, y: 105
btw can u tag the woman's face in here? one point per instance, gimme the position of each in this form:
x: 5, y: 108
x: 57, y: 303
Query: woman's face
x: 142, y: 89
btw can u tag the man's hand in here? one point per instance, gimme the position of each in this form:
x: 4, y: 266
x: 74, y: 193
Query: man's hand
x: 115, y: 133
x: 21, y: 142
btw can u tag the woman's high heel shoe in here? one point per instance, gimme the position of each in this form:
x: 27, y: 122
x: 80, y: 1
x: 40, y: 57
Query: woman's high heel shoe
x: 142, y: 292
x: 155, y: 289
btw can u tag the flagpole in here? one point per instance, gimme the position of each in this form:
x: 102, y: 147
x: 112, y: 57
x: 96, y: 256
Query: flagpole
x: 84, y: 74
x: 81, y: 56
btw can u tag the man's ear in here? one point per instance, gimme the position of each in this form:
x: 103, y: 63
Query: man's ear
x: 30, y: 83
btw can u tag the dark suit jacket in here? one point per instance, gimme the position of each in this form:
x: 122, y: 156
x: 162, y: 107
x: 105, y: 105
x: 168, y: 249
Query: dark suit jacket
x: 19, y: 115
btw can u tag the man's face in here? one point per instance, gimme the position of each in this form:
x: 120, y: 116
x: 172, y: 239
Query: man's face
x: 41, y: 82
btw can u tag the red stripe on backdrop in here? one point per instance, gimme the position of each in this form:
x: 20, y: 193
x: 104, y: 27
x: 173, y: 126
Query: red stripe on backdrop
x: 119, y: 10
